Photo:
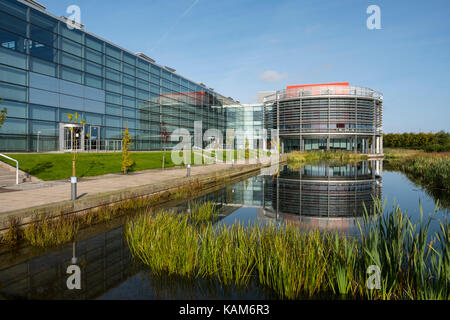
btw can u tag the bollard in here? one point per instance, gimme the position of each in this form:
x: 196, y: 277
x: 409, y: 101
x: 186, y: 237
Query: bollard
x: 73, y: 181
x: 188, y: 170
x: 232, y: 163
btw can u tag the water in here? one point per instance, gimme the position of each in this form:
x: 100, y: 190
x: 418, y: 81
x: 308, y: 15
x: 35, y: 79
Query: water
x: 320, y: 196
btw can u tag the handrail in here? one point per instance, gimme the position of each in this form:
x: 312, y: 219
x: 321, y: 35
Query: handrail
x: 17, y: 166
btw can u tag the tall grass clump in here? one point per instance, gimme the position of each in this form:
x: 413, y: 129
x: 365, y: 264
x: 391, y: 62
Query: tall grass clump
x: 47, y: 232
x: 297, y: 264
x: 202, y: 211
x: 298, y: 158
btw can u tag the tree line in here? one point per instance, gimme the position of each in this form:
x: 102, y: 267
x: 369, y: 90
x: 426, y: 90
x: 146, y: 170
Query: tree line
x: 429, y: 142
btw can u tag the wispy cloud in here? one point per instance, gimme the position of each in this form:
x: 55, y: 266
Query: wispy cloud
x: 174, y: 25
x: 272, y: 76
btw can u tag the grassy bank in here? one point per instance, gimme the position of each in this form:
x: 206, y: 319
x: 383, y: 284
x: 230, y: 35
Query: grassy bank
x: 428, y: 169
x: 298, y: 264
x: 298, y: 158
x: 58, y: 166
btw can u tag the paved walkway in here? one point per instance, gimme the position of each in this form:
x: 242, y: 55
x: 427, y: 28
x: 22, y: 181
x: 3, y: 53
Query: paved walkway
x: 31, y: 195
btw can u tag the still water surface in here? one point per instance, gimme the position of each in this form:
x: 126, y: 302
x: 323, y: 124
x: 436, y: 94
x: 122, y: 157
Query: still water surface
x: 325, y: 197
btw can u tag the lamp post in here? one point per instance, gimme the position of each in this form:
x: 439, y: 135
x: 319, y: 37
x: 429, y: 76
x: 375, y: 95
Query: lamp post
x: 38, y: 141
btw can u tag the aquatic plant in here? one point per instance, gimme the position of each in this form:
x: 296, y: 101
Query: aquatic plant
x: 299, y: 158
x: 297, y: 264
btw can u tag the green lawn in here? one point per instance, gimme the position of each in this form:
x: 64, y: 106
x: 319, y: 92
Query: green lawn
x: 58, y: 166
x: 49, y: 167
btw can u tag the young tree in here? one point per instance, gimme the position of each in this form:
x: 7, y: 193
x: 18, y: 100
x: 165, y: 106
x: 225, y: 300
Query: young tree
x: 2, y: 114
x: 74, y: 118
x: 127, y: 163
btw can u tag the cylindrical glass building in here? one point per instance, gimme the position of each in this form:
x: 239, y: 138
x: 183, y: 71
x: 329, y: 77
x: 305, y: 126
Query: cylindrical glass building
x: 333, y: 116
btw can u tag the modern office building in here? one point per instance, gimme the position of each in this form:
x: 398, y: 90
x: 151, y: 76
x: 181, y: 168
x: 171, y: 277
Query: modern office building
x: 49, y: 70
x: 333, y: 116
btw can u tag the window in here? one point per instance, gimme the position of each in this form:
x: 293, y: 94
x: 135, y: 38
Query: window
x: 9, y: 22
x: 129, y: 102
x: 42, y: 66
x: 12, y: 41
x: 94, y: 106
x: 45, y: 129
x: 94, y: 119
x: 43, y: 82
x: 42, y: 51
x: 113, y: 52
x: 71, y: 74
x: 71, y: 88
x: 155, y: 70
x: 143, y: 64
x: 113, y: 75
x: 129, y: 113
x: 13, y: 92
x: 43, y: 36
x: 94, y: 56
x: 74, y: 35
x: 71, y: 47
x: 129, y: 91
x: 113, y: 98
x: 14, y: 126
x: 113, y: 63
x: 94, y: 43
x: 43, y: 113
x: 15, y: 8
x: 93, y: 68
x: 43, y: 21
x: 129, y: 59
x: 43, y: 97
x: 113, y: 86
x: 13, y: 75
x: 129, y: 80
x: 72, y: 61
x: 113, y: 110
x: 112, y: 121
x: 15, y: 109
x: 93, y: 81
x: 129, y: 69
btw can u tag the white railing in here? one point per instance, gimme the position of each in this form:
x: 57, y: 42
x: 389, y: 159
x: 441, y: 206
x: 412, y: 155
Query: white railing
x: 17, y: 166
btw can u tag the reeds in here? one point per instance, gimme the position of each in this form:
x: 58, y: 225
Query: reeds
x: 298, y: 158
x: 297, y: 264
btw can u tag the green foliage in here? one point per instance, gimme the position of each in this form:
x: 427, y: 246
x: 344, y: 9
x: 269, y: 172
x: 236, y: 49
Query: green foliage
x: 47, y: 232
x: 298, y: 158
x: 127, y: 162
x: 2, y: 114
x: 297, y: 264
x: 430, y: 142
x: 247, y: 149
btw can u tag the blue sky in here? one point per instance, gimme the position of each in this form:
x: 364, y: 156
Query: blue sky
x: 240, y: 47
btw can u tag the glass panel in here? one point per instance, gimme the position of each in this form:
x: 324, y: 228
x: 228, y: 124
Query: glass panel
x: 13, y: 143
x: 95, y: 119
x: 71, y: 74
x: 45, y: 67
x: 129, y: 91
x: 71, y: 88
x: 74, y: 34
x: 15, y: 109
x: 143, y: 64
x: 15, y: 8
x: 94, y: 43
x: 13, y: 75
x: 43, y: 82
x: 93, y: 81
x: 71, y: 61
x: 113, y: 110
x: 45, y: 128
x: 129, y: 113
x: 113, y: 63
x: 129, y: 59
x: 44, y: 52
x: 71, y: 47
x: 94, y: 56
x: 113, y: 86
x: 71, y: 102
x: 43, y: 113
x: 42, y: 97
x: 112, y: 133
x: 112, y: 121
x: 129, y: 80
x: 43, y: 36
x: 155, y: 70
x: 14, y: 126
x: 143, y: 84
x: 93, y: 68
x: 94, y: 94
x: 63, y: 113
x: 129, y: 123
x: 13, y: 92
x: 129, y: 102
x: 113, y: 52
x: 129, y: 69
x: 113, y: 75
x: 94, y: 106
x: 43, y: 21
x: 11, y: 23
x: 113, y: 98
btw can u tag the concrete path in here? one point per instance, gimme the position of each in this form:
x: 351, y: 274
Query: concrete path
x: 31, y: 195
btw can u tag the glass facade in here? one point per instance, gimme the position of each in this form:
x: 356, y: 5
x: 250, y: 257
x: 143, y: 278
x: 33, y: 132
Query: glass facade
x: 48, y: 71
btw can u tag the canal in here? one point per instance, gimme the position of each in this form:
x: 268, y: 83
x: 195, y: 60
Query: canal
x: 322, y: 196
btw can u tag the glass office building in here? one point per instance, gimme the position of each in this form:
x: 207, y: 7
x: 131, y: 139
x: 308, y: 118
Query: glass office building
x: 333, y: 116
x: 48, y: 71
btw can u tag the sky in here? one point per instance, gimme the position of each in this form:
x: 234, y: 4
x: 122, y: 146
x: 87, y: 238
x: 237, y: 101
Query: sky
x: 241, y: 47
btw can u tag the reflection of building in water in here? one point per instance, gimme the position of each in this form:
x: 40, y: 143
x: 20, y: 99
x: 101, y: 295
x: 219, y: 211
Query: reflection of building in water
x: 323, y: 196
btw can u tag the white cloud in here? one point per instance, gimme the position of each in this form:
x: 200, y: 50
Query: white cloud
x: 272, y: 76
